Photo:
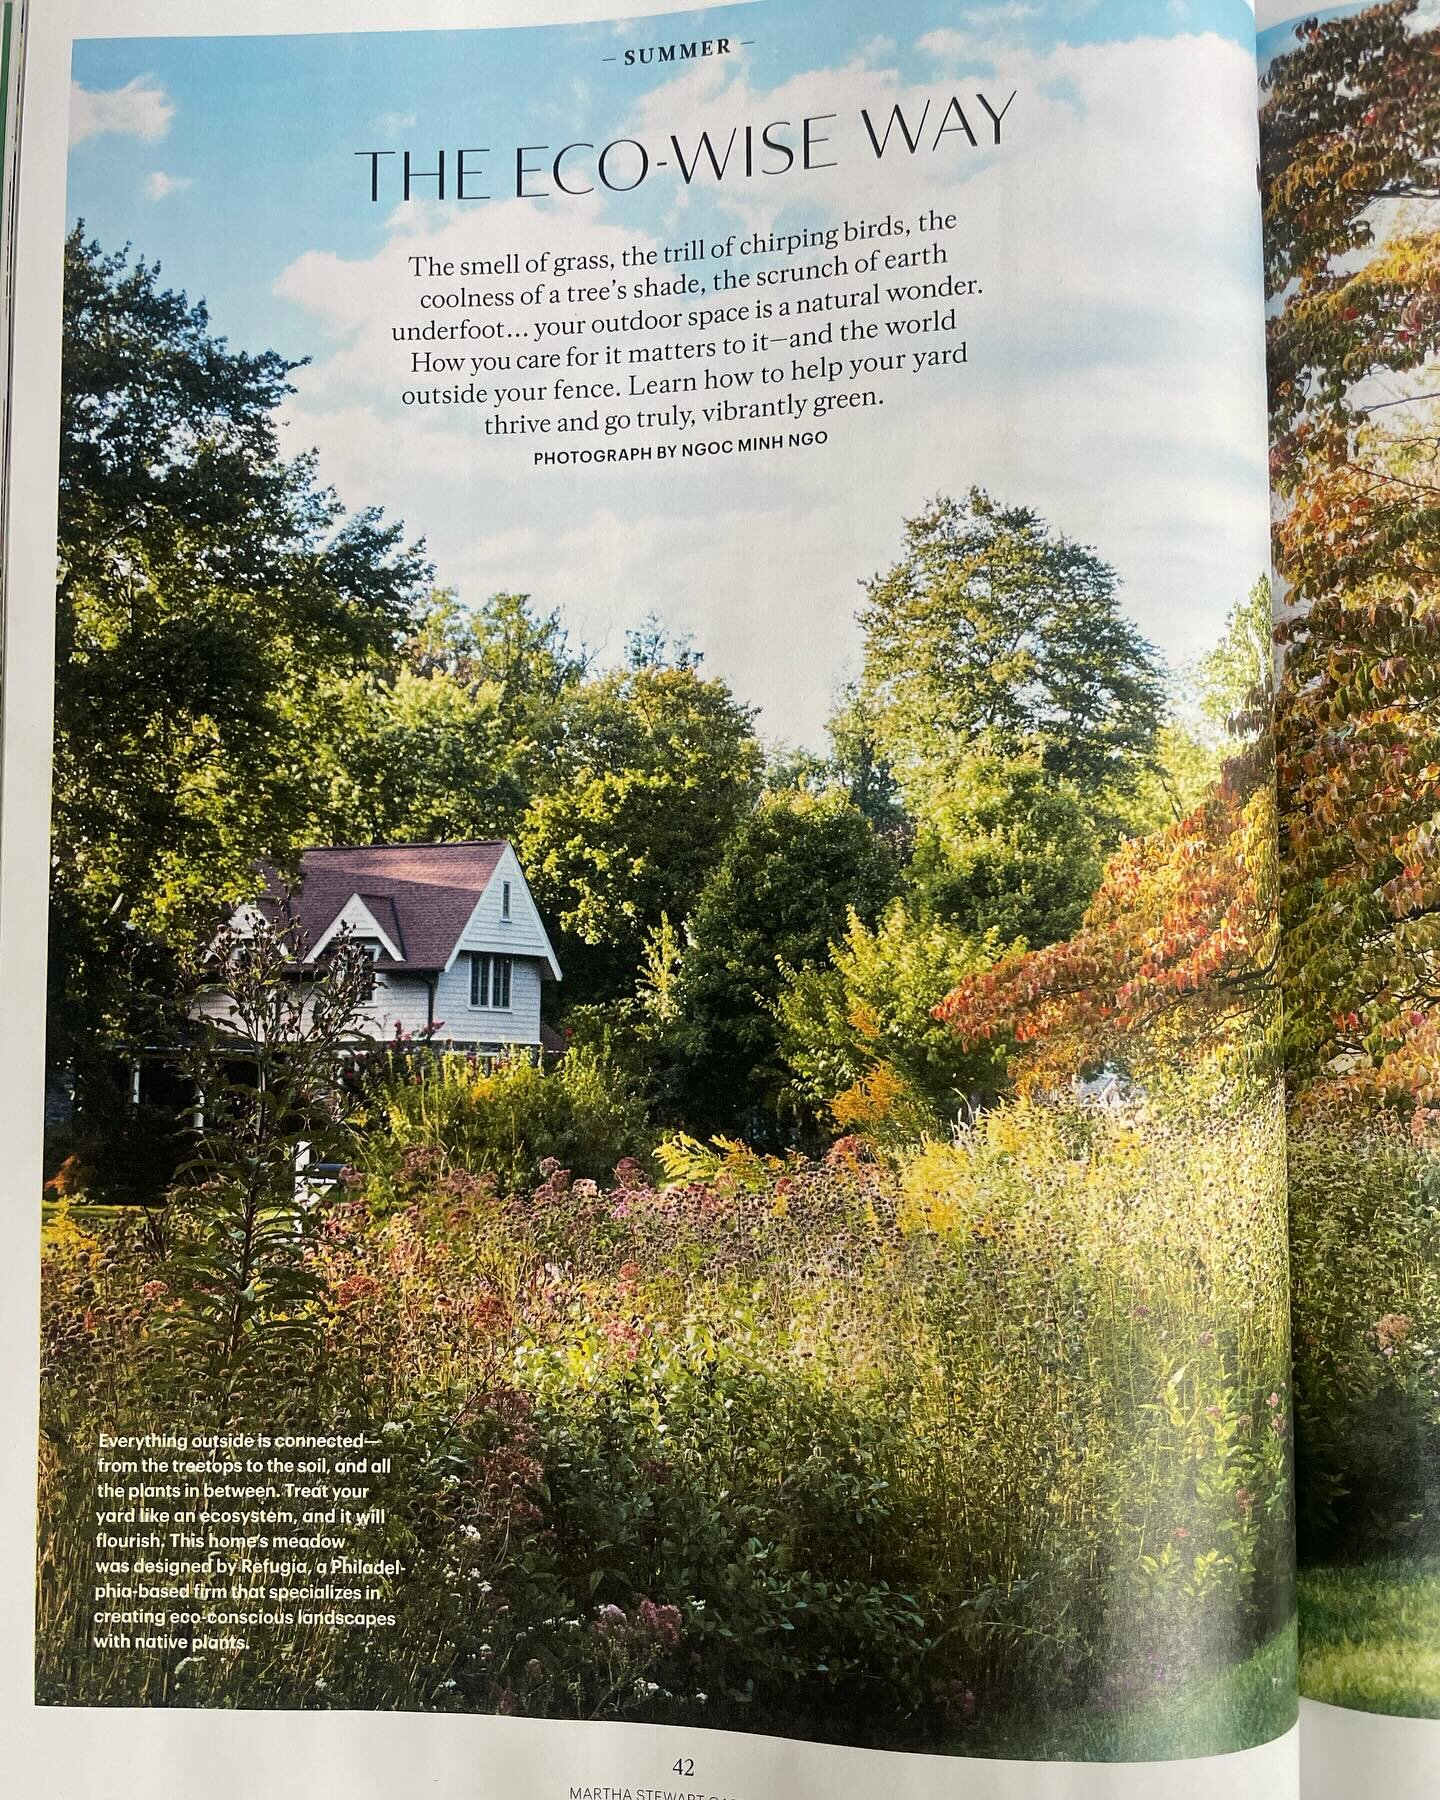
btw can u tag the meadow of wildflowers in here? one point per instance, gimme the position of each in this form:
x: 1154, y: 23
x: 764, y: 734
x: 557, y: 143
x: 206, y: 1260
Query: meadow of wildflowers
x: 980, y: 1446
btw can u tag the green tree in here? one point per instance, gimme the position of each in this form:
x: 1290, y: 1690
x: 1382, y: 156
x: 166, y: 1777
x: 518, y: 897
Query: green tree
x: 418, y: 758
x: 453, y: 743
x: 862, y: 768
x: 1212, y: 704
x: 204, y: 581
x: 1240, y: 668
x: 791, y: 877
x: 1007, y: 848
x: 654, y: 767
x: 859, y: 1034
x: 993, y: 629
x: 853, y: 765
x: 504, y: 642
x: 505, y: 653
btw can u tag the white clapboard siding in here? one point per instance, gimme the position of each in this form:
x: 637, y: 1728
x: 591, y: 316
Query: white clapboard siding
x: 461, y: 1023
x: 523, y: 934
x: 402, y: 1000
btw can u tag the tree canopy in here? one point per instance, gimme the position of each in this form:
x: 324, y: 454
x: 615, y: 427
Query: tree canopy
x: 1349, y: 129
x: 246, y: 669
x: 992, y: 628
x: 654, y: 767
x: 860, y: 1036
x: 795, y: 870
x: 1351, y: 134
x: 203, y: 577
x: 1178, y: 946
x: 1181, y: 928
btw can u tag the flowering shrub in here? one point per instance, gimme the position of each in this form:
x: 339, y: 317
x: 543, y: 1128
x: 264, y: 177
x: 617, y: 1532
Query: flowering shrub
x: 504, y: 1117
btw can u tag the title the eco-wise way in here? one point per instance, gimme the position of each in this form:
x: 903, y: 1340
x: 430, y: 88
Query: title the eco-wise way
x: 750, y: 152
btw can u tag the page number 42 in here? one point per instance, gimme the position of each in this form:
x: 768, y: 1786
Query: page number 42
x: 683, y: 1765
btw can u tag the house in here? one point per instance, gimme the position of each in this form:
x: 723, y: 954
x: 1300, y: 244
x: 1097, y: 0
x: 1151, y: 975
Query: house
x: 459, y: 947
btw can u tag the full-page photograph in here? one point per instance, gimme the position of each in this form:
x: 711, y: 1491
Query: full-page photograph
x: 1350, y: 107
x: 716, y: 893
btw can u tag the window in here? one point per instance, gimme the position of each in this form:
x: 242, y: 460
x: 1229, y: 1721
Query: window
x: 505, y: 900
x: 490, y: 980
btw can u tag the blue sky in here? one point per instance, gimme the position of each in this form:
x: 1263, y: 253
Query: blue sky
x: 1274, y: 40
x: 1120, y: 261
x: 1277, y: 38
x: 264, y: 129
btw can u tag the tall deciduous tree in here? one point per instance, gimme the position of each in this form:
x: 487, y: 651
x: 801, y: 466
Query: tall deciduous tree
x: 1175, y: 957
x: 794, y: 872
x: 1351, y: 135
x: 654, y: 767
x: 1176, y: 952
x: 1350, y: 129
x: 1007, y: 849
x: 203, y: 580
x: 992, y: 628
x: 454, y: 742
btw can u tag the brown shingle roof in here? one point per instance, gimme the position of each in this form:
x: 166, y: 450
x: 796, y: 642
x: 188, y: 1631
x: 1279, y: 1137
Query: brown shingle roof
x: 422, y: 895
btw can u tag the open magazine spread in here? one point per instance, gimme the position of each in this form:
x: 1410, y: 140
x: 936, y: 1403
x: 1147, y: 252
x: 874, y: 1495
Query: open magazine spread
x: 719, y: 904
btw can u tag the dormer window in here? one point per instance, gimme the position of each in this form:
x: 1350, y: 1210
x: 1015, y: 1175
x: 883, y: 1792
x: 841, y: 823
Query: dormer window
x: 505, y: 901
x: 370, y: 947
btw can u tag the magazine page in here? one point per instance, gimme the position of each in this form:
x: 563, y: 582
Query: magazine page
x: 639, y: 913
x: 9, y: 69
x: 1350, y: 139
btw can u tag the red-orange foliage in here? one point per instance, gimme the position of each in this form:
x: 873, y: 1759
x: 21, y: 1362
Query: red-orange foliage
x: 1359, y: 759
x: 1350, y: 126
x: 1181, y: 931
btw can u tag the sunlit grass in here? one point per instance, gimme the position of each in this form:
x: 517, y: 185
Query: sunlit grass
x: 1370, y: 1636
x: 1251, y: 1703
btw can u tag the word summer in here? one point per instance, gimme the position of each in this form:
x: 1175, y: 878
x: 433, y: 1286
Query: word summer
x: 746, y: 152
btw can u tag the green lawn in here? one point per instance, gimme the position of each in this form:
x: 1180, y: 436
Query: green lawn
x: 1247, y: 1705
x: 1370, y: 1636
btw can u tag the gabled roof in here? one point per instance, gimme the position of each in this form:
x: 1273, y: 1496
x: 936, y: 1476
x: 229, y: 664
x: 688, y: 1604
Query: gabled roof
x: 422, y: 895
x: 363, y: 916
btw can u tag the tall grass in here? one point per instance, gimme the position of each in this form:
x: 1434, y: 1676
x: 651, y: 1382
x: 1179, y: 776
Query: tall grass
x: 1368, y: 1635
x: 944, y: 1450
x: 1365, y: 1201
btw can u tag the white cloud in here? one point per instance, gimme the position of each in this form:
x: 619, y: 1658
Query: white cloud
x: 391, y: 124
x: 160, y: 186
x: 991, y: 28
x: 1115, y: 380
x: 949, y: 45
x: 141, y: 109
